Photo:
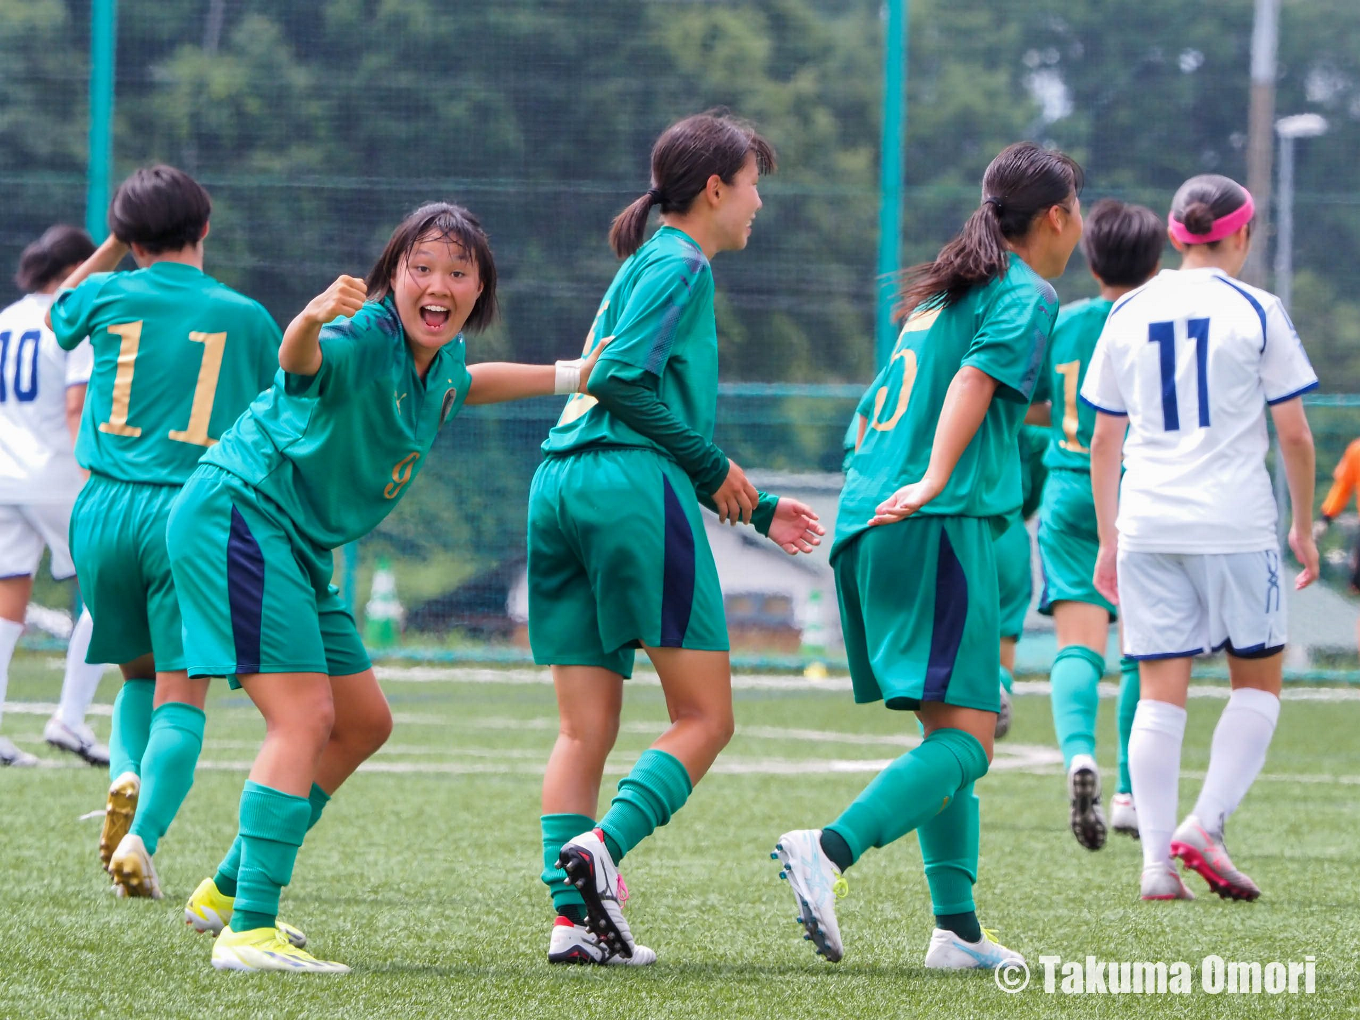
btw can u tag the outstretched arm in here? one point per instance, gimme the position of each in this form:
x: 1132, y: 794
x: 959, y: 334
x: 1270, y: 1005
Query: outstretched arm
x: 300, y: 351
x: 965, y: 405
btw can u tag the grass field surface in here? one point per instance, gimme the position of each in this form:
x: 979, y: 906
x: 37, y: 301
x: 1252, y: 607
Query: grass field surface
x: 422, y: 875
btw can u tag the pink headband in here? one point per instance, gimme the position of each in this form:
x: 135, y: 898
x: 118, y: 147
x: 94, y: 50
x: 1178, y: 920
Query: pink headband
x: 1224, y: 226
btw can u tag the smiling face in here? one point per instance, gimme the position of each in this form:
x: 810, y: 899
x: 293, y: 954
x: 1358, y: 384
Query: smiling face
x: 435, y: 289
x: 737, y: 204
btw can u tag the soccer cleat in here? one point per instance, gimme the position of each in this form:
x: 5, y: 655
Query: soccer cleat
x: 132, y: 869
x: 1083, y: 787
x: 590, y: 868
x: 1162, y: 882
x: 79, y: 741
x: 118, y: 812
x: 575, y: 943
x: 267, y: 949
x: 947, y: 951
x: 209, y: 911
x: 11, y: 755
x: 1003, y: 717
x: 817, y: 884
x: 1123, y: 815
x: 1204, y: 853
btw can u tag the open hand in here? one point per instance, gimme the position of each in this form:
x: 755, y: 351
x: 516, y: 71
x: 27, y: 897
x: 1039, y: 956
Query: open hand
x: 1306, y: 552
x: 905, y: 502
x: 1106, y: 576
x: 736, y: 498
x: 794, y: 527
x: 343, y: 297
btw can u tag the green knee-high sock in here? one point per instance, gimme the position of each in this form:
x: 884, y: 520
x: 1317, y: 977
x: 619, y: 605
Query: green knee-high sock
x: 1007, y: 680
x: 273, y: 825
x: 131, y: 726
x: 557, y: 829
x: 657, y: 787
x: 1075, y: 680
x: 227, y: 871
x: 949, y: 850
x: 167, y: 769
x: 1129, y: 687
x: 911, y: 791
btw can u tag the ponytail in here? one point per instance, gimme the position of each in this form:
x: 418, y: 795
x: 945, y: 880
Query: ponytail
x: 1022, y: 182
x: 686, y: 155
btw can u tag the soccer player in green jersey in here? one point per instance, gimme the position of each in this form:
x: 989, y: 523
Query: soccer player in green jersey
x: 915, y: 555
x: 1123, y: 246
x: 369, y: 372
x: 1015, y: 574
x: 618, y: 557
x: 177, y: 357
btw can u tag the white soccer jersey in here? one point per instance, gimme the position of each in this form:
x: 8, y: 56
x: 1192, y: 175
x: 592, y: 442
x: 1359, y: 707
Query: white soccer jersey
x: 1192, y: 358
x: 37, y: 463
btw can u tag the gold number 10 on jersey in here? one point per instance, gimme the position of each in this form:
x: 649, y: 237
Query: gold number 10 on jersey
x: 205, y: 390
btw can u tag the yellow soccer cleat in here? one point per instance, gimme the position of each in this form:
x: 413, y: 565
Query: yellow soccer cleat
x: 209, y: 911
x: 267, y: 949
x: 132, y: 869
x: 118, y: 812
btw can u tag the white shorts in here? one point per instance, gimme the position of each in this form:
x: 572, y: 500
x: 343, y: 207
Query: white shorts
x: 24, y: 530
x: 1175, y: 605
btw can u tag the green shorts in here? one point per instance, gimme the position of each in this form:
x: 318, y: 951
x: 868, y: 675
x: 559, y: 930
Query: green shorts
x: 1068, y: 542
x: 618, y: 558
x: 255, y: 595
x: 919, y: 612
x: 1014, y: 577
x: 118, y: 547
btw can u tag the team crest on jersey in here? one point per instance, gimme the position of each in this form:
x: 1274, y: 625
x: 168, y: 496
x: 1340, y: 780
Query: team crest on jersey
x: 450, y: 397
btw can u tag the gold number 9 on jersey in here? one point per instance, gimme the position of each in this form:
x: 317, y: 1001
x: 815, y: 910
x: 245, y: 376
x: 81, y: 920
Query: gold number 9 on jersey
x: 205, y: 390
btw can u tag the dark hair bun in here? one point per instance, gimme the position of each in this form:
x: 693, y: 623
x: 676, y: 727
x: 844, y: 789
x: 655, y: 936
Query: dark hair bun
x: 1198, y: 218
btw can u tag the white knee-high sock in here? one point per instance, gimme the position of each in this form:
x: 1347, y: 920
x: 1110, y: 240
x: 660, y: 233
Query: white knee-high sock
x: 1155, y: 768
x: 78, y: 686
x: 1241, y: 740
x: 9, y: 637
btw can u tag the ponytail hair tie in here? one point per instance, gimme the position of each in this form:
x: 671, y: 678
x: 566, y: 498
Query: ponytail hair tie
x: 654, y: 195
x: 993, y: 200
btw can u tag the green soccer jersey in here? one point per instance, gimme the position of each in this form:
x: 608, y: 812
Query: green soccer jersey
x: 1000, y: 328
x: 862, y: 410
x: 658, y: 315
x: 177, y: 358
x: 336, y: 451
x: 1069, y: 355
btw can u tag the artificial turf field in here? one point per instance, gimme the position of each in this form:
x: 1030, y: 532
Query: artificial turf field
x: 422, y: 875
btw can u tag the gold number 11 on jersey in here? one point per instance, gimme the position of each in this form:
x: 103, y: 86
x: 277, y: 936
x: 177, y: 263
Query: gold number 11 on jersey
x: 205, y: 390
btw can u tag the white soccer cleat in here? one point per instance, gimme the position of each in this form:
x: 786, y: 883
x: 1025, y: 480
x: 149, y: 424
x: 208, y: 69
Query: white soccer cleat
x: 817, y: 884
x: 11, y: 755
x: 948, y: 951
x: 1123, y: 815
x: 590, y: 868
x: 78, y: 741
x: 1003, y: 717
x: 132, y: 869
x: 1204, y: 853
x: 1163, y: 882
x: 1083, y: 787
x: 575, y: 943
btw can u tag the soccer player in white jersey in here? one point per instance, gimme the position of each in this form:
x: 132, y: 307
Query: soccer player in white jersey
x: 1189, y: 362
x: 42, y: 393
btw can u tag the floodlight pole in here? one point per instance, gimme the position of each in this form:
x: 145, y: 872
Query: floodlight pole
x: 896, y: 15
x: 1265, y: 35
x: 103, y: 52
